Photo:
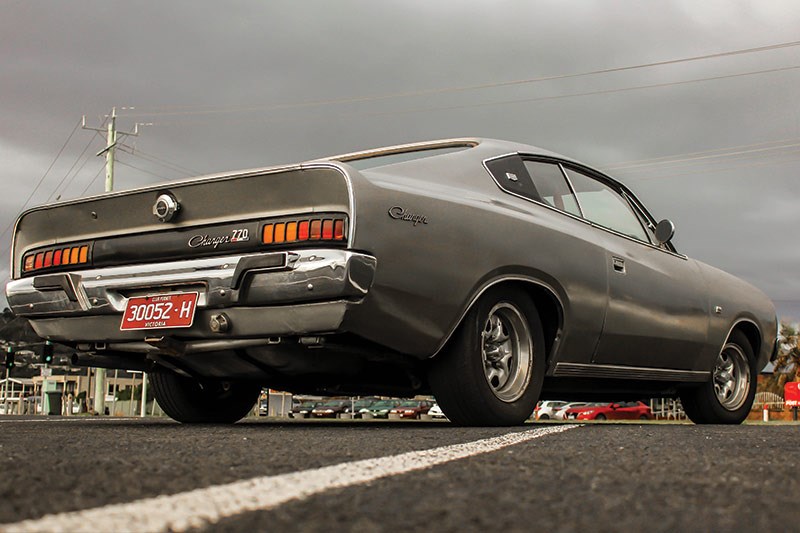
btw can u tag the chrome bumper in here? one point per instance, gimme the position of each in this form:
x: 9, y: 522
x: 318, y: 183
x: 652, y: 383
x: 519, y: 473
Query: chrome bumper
x: 282, y: 293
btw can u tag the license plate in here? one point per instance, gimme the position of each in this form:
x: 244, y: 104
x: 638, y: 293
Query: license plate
x: 174, y: 310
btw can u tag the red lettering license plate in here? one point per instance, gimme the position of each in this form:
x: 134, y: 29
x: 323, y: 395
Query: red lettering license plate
x: 174, y: 310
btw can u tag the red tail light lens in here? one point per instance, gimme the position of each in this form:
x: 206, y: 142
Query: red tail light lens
x: 56, y: 257
x: 302, y: 229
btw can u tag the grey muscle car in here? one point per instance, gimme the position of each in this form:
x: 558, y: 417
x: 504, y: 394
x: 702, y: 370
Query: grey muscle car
x: 488, y: 273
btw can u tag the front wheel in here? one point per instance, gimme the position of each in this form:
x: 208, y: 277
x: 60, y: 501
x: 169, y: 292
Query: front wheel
x: 192, y: 401
x: 491, y: 371
x: 728, y: 397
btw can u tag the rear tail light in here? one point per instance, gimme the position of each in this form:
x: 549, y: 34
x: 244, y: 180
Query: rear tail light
x: 329, y: 228
x: 56, y: 257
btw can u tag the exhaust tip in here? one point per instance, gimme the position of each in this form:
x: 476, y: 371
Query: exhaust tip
x: 220, y: 323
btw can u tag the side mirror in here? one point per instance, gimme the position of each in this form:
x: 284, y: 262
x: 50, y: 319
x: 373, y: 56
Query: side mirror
x: 665, y: 230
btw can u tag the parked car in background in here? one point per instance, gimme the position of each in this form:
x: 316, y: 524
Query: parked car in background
x: 330, y: 409
x: 436, y: 412
x: 612, y: 411
x: 303, y: 408
x: 547, y: 409
x: 548, y: 275
x: 380, y: 409
x: 561, y: 414
x: 411, y: 408
x: 357, y: 405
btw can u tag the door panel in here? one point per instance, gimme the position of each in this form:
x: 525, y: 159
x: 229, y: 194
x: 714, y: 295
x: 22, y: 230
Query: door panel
x: 657, y: 308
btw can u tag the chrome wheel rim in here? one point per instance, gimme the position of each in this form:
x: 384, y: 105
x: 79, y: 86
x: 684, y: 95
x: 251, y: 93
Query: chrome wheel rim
x: 507, y: 350
x: 731, y: 377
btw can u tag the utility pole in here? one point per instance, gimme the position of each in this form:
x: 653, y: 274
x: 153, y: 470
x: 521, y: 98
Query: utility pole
x: 109, y: 150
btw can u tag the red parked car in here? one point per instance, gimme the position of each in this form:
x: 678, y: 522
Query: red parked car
x: 611, y: 411
x: 412, y: 408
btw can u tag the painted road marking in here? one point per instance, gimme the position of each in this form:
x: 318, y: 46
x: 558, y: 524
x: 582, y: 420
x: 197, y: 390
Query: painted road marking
x: 76, y: 419
x: 201, y: 507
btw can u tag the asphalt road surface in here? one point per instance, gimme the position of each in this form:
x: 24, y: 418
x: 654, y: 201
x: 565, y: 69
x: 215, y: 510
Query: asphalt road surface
x: 268, y: 475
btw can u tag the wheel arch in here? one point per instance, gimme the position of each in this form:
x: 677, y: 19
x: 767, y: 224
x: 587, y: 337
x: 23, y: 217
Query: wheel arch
x: 751, y: 331
x: 544, y: 297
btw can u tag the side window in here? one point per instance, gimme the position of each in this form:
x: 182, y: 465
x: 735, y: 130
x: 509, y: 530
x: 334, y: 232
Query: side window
x: 604, y: 206
x: 552, y: 187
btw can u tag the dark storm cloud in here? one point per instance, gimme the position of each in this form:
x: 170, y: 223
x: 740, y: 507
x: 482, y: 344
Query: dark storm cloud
x: 209, y: 75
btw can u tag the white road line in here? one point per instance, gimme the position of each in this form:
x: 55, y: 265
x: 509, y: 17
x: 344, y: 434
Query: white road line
x: 197, y: 508
x: 76, y: 419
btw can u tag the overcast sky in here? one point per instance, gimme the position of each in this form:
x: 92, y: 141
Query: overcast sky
x: 715, y: 145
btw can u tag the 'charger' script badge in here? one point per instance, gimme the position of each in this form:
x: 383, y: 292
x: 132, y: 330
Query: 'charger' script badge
x: 399, y: 213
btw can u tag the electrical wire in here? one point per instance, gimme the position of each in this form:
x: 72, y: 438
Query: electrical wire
x: 523, y: 100
x: 41, y: 180
x: 198, y: 110
x: 705, y: 158
x: 88, y: 145
x: 155, y: 159
x: 91, y: 182
x: 704, y: 172
x: 124, y: 164
x: 589, y: 93
x: 637, y: 162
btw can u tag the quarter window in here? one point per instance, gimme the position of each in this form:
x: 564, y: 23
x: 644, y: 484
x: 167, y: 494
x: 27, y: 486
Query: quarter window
x: 604, y: 206
x: 552, y: 187
x: 510, y: 174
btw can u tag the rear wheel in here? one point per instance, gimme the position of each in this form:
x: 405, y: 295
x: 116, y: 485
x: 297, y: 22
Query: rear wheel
x: 491, y: 371
x: 728, y: 397
x: 190, y: 401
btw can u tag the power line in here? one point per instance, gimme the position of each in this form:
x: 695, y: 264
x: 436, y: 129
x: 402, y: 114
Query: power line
x: 91, y: 182
x: 123, y: 163
x: 88, y: 145
x: 716, y: 170
x: 198, y: 110
x: 706, y: 158
x: 155, y: 159
x: 589, y: 93
x: 41, y: 180
x: 636, y: 162
x: 534, y: 99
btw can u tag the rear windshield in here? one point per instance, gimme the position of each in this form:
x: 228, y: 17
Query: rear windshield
x: 391, y: 159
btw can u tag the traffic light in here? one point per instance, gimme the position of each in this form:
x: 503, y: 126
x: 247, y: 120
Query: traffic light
x: 9, y: 362
x: 47, y: 353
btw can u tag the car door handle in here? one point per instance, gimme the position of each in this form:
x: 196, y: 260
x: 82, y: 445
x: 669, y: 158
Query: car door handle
x: 619, y: 264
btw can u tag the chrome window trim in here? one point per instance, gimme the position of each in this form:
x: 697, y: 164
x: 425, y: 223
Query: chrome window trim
x: 570, y: 215
x: 404, y: 148
x: 571, y: 188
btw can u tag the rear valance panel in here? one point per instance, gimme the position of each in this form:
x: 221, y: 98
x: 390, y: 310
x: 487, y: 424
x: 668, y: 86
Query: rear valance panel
x: 124, y: 222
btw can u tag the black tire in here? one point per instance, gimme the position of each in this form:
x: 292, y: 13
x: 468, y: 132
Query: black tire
x: 544, y: 417
x: 460, y: 375
x: 191, y: 401
x: 716, y: 401
x: 644, y: 417
x: 600, y: 417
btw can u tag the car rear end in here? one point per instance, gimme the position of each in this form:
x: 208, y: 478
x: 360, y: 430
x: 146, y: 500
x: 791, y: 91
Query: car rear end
x: 227, y: 261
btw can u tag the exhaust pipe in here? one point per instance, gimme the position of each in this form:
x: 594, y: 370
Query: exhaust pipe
x: 118, y: 362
